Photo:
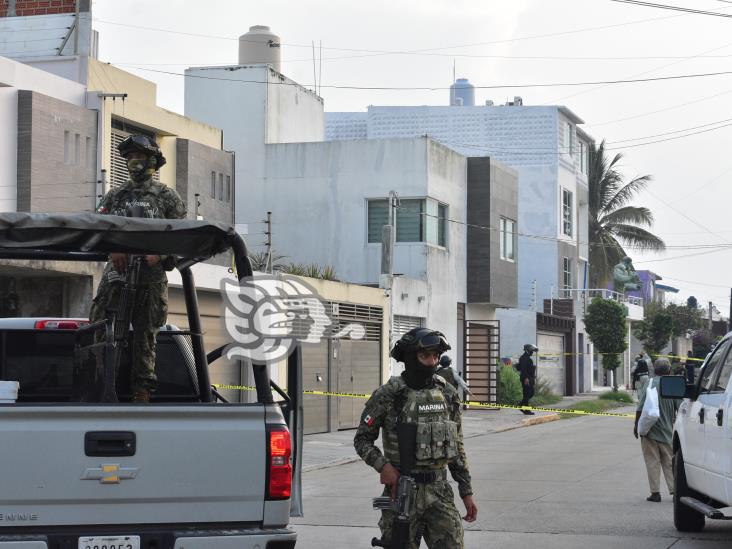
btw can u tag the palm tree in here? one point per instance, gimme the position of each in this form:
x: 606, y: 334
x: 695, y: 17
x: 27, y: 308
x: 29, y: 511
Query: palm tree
x: 612, y: 220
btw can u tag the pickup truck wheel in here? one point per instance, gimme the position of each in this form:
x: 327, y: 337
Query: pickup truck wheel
x: 686, y: 519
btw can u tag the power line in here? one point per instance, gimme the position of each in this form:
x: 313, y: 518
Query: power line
x: 669, y: 133
x: 442, y: 88
x: 674, y: 8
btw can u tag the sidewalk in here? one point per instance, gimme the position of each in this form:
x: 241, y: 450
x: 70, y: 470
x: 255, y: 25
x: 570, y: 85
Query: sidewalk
x: 324, y: 450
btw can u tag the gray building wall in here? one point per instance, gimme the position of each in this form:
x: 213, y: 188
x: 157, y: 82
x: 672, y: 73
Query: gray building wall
x: 57, y: 152
x: 197, y: 165
x: 492, y: 193
x: 504, y: 203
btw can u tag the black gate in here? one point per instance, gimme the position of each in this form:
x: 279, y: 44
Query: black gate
x: 481, y: 355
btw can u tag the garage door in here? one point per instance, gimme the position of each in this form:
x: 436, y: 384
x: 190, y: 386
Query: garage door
x: 223, y: 371
x: 315, y: 377
x: 551, y: 361
x: 359, y: 371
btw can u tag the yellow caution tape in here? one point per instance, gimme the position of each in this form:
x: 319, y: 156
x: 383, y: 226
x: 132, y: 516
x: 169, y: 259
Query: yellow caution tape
x: 468, y: 403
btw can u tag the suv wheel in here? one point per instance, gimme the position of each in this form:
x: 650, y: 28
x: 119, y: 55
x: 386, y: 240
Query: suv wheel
x: 686, y: 519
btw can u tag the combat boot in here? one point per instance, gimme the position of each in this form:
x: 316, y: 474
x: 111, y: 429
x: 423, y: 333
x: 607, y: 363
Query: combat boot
x: 141, y: 396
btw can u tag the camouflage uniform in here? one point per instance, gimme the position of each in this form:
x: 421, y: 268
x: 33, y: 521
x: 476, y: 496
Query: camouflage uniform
x: 437, y: 412
x: 151, y: 301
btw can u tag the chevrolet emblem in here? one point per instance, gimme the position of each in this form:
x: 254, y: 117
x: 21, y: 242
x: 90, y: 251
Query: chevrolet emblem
x: 109, y: 473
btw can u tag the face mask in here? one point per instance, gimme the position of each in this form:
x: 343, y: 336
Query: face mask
x: 135, y: 166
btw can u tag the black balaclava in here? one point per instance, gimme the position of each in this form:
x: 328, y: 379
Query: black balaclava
x: 416, y: 374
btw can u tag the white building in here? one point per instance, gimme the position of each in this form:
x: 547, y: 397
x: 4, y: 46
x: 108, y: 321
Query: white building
x: 550, y: 152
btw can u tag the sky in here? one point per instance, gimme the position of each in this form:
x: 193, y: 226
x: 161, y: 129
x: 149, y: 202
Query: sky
x: 416, y: 43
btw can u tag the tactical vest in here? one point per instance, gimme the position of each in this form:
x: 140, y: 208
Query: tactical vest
x: 437, y: 435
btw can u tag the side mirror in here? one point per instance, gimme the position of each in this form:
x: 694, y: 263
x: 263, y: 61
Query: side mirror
x: 675, y: 387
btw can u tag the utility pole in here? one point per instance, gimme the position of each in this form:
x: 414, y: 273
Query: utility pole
x: 709, y: 320
x: 388, y: 234
x: 268, y: 232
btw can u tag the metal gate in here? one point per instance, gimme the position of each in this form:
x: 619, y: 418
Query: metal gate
x: 481, y: 348
x: 315, y: 377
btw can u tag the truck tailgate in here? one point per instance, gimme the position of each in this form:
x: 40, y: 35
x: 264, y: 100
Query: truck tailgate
x: 191, y: 464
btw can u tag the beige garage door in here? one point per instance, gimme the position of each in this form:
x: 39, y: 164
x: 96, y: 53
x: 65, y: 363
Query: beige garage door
x: 223, y: 371
x: 551, y: 361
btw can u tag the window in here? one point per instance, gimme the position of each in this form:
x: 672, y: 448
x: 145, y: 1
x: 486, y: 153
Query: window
x: 567, y: 213
x: 568, y: 139
x: 77, y: 149
x: 711, y: 368
x: 441, y: 225
x: 88, y: 153
x: 67, y: 147
x: 584, y: 154
x: 221, y: 186
x: 410, y: 221
x: 417, y: 220
x: 567, y: 273
x: 228, y: 188
x: 724, y: 375
x: 213, y: 184
x: 506, y: 236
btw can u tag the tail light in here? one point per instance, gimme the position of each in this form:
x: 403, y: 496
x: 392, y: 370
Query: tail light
x: 279, y: 449
x: 59, y: 324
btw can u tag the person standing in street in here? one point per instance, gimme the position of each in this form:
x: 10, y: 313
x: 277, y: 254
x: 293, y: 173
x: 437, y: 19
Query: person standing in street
x: 421, y: 397
x: 689, y: 367
x: 141, y: 196
x: 527, y: 374
x: 656, y: 445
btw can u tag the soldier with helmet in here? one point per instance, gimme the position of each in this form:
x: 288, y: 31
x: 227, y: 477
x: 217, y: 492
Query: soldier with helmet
x: 420, y: 396
x: 141, y: 196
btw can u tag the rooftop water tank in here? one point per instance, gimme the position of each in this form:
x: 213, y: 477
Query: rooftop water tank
x: 259, y: 45
x: 462, y: 93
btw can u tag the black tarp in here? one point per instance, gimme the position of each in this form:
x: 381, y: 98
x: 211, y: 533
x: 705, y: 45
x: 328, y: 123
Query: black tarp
x: 95, y: 233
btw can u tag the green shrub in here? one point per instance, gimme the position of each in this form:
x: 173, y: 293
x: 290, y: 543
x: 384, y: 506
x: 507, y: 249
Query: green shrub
x: 509, y: 386
x: 619, y: 396
x: 543, y: 394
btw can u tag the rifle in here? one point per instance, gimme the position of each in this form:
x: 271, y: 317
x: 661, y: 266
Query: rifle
x: 404, y: 503
x: 118, y: 326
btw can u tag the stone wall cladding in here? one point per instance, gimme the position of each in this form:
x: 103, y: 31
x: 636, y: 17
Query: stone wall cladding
x: 57, y: 155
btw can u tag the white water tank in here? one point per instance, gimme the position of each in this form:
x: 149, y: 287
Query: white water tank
x: 260, y: 45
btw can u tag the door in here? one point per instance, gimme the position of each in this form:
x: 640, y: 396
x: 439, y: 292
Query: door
x: 715, y: 427
x: 701, y: 412
x: 315, y: 377
x: 359, y: 371
x: 550, y: 361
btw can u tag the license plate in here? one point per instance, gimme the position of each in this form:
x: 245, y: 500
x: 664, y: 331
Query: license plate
x: 110, y: 542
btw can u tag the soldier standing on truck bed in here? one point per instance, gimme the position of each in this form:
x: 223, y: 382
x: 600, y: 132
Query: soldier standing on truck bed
x: 422, y: 397
x: 141, y: 196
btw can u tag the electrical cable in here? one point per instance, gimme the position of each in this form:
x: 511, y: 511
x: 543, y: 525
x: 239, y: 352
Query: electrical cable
x: 674, y: 8
x: 442, y: 88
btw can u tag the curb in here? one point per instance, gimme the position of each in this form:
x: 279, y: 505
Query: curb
x: 540, y: 419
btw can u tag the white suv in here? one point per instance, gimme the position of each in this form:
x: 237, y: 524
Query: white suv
x: 702, y: 441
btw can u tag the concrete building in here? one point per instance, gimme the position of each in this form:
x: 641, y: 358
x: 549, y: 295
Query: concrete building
x: 548, y: 149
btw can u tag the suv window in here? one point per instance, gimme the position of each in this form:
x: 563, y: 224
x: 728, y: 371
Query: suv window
x: 712, y: 367
x: 724, y: 374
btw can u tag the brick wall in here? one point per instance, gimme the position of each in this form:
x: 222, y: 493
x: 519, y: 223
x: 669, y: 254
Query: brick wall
x: 42, y: 7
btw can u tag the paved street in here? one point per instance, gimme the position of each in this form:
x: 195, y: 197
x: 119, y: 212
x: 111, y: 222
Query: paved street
x: 577, y: 483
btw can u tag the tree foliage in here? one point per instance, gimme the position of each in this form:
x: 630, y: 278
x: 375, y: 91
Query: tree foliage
x: 605, y: 324
x: 685, y: 319
x: 611, y: 219
x: 656, y: 328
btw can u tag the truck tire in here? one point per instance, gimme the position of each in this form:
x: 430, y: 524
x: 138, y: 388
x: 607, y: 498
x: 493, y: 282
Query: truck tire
x: 686, y: 519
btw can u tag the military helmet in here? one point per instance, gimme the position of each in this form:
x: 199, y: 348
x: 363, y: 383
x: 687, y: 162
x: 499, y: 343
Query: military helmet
x: 529, y: 348
x: 419, y: 339
x: 143, y: 144
x: 445, y: 361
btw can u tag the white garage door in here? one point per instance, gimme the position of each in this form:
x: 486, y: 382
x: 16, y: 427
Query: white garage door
x: 550, y: 364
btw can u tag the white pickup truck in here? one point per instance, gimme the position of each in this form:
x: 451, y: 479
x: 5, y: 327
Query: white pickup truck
x: 702, y: 441
x: 186, y: 471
